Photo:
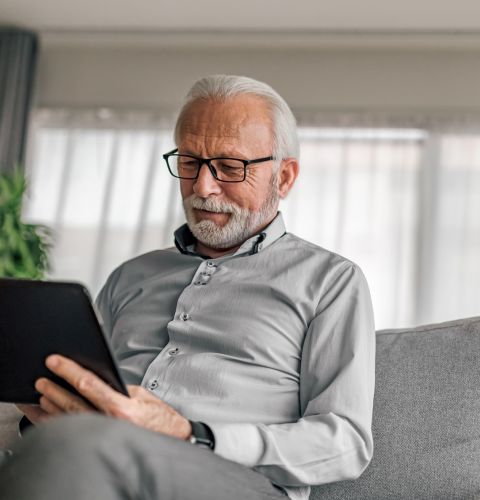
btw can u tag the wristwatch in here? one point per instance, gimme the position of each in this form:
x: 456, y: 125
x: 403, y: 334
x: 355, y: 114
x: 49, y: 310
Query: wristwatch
x: 202, y: 435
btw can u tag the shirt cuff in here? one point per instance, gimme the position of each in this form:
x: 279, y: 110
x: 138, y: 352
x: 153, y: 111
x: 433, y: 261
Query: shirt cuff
x: 239, y: 443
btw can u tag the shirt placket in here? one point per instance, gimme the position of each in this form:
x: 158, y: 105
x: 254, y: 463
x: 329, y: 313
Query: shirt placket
x: 159, y: 369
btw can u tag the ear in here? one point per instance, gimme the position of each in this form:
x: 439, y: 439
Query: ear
x: 287, y: 174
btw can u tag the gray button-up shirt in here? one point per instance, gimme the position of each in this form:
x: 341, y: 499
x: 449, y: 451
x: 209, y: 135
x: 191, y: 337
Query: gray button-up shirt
x: 272, y: 346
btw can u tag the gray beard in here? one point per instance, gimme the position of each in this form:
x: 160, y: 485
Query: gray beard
x: 242, y: 222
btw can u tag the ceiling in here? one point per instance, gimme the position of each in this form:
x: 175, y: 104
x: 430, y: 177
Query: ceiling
x: 328, y: 21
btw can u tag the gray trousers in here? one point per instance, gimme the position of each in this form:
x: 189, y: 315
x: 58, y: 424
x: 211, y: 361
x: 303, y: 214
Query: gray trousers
x: 92, y: 457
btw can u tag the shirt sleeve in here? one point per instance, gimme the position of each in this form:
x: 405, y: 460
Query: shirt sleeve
x: 104, y: 301
x: 332, y: 441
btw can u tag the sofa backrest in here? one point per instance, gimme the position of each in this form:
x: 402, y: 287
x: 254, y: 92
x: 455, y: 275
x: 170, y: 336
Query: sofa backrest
x: 426, y: 418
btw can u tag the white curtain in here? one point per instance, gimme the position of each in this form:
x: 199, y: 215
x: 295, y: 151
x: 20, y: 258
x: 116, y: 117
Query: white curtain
x: 450, y: 264
x: 98, y: 181
x: 356, y: 195
x: 401, y: 200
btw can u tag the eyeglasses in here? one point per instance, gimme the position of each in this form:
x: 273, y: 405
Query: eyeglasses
x: 222, y: 169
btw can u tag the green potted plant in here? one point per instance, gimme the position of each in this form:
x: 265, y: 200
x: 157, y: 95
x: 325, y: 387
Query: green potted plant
x: 24, y: 247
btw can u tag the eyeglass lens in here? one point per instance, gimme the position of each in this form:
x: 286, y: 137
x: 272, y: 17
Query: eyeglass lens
x: 225, y: 169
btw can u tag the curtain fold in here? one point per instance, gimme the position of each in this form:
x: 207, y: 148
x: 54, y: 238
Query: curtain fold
x: 18, y: 54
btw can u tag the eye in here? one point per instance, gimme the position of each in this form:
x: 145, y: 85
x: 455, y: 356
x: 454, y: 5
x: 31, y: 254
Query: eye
x: 229, y: 164
x: 227, y: 168
x: 187, y: 162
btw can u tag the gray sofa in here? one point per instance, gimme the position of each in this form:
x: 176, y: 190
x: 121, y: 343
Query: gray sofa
x: 426, y: 422
x: 426, y: 417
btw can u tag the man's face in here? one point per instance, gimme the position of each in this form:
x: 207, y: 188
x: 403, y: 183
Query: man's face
x: 220, y: 214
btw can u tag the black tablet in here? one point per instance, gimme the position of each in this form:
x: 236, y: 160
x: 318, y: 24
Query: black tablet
x: 39, y: 318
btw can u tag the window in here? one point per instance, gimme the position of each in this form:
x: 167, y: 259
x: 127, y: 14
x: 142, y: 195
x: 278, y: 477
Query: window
x: 401, y: 202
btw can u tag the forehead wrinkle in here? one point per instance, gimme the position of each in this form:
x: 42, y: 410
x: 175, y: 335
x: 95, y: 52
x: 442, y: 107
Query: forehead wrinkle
x: 207, y: 128
x: 220, y: 129
x: 209, y: 142
x: 230, y: 115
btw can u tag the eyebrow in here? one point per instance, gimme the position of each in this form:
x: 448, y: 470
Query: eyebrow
x: 235, y: 154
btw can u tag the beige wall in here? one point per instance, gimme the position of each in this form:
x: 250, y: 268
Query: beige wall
x: 308, y: 79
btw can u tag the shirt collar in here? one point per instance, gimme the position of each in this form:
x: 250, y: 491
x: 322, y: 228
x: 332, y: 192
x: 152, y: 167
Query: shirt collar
x: 185, y: 241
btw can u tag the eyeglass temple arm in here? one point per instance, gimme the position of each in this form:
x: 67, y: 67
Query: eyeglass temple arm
x: 170, y: 152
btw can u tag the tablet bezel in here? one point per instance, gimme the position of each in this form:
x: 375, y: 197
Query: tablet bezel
x: 39, y: 318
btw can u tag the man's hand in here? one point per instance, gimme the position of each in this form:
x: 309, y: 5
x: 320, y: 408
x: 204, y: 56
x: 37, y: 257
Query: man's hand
x: 34, y: 413
x: 141, y: 408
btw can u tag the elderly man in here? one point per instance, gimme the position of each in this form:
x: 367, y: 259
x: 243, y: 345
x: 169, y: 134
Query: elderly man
x: 249, y: 352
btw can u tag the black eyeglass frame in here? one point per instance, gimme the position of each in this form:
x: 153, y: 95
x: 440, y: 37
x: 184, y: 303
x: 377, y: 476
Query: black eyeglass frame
x: 207, y: 161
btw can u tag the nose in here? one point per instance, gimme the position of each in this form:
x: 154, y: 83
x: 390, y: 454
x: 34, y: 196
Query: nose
x: 205, y: 185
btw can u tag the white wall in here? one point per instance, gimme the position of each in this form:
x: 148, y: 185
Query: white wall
x: 324, y: 79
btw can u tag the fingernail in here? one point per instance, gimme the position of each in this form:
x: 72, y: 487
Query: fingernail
x: 52, y: 361
x: 40, y: 384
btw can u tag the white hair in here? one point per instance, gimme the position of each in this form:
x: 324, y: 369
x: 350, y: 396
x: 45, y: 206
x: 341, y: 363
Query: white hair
x: 222, y: 87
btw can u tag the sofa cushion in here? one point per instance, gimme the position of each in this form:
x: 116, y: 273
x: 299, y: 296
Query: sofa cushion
x: 426, y: 418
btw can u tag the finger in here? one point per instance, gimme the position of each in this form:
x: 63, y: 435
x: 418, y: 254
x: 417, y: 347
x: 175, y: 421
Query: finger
x: 135, y: 390
x: 23, y: 408
x: 33, y: 412
x: 100, y: 394
x: 51, y: 408
x: 60, y: 397
x: 138, y: 392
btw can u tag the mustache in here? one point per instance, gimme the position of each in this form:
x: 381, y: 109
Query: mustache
x: 212, y: 205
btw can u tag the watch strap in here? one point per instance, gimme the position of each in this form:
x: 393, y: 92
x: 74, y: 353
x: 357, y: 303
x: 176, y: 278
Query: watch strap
x: 202, y: 435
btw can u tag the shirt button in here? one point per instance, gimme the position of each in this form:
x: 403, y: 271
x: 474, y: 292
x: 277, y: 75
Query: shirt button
x: 153, y: 384
x: 210, y: 264
x: 172, y: 352
x: 184, y: 317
